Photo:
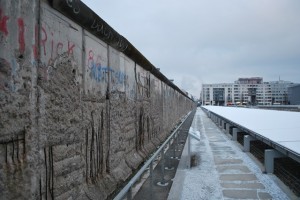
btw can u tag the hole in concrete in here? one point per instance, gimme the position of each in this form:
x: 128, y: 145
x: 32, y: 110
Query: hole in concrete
x: 169, y: 168
x: 163, y: 184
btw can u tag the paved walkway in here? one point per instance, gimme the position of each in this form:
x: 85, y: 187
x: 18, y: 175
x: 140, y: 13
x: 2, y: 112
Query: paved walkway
x: 223, y: 170
x: 158, y: 186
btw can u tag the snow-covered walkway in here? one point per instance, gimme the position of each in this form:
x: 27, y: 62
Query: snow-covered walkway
x: 223, y: 170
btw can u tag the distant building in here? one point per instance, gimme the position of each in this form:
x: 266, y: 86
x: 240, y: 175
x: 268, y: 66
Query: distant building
x: 246, y: 91
x: 294, y: 94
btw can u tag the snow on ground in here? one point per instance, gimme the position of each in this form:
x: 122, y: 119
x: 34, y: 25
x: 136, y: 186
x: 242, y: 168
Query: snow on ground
x: 202, y: 182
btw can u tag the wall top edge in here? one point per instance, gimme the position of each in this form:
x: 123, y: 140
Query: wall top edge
x: 89, y: 20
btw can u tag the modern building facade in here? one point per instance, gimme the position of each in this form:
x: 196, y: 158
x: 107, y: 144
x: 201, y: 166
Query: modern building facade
x: 294, y: 94
x: 246, y: 91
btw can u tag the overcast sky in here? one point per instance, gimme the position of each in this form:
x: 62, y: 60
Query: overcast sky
x: 210, y: 41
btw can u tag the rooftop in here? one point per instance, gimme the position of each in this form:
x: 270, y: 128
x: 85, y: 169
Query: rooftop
x: 279, y: 127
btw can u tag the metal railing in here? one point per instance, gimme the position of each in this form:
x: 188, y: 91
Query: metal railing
x: 127, y: 190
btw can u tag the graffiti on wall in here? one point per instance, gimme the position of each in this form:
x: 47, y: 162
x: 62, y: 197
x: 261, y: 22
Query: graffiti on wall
x: 10, y: 65
x: 57, y: 47
x: 74, y: 4
x: 4, y: 19
x: 52, y: 45
x: 98, y: 71
x: 3, y: 23
x: 93, y: 23
x: 104, y: 74
x: 104, y: 30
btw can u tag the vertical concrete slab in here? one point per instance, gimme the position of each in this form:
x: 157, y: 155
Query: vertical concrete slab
x: 130, y: 83
x: 143, y: 83
x: 234, y: 133
x: 61, y: 120
x: 122, y: 77
x: 180, y: 99
x: 228, y: 127
x: 164, y: 113
x: 169, y: 108
x: 223, y: 125
x: 19, y: 136
x: 247, y: 140
x: 122, y: 116
x: 156, y: 108
x: 60, y: 38
x: 96, y: 67
x: 270, y: 154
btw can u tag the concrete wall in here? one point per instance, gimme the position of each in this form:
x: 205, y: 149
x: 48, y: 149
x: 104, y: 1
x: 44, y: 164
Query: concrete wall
x: 78, y: 114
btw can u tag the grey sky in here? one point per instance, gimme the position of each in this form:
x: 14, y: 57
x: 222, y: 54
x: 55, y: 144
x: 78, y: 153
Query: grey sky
x: 211, y: 41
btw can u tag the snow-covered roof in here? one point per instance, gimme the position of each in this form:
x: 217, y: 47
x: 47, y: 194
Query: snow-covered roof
x: 280, y: 127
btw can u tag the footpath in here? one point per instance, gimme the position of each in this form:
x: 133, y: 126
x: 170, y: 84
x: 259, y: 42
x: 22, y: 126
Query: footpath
x: 221, y: 169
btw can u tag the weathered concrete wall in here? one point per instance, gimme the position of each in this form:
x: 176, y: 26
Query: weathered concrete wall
x: 78, y: 115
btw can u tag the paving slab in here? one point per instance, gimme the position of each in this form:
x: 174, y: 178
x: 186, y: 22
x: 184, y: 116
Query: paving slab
x: 218, y: 153
x: 243, y: 185
x: 240, y: 194
x: 237, y: 177
x: 221, y: 161
x: 218, y: 148
x: 230, y: 169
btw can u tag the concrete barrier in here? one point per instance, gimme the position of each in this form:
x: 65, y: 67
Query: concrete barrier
x: 235, y: 133
x: 247, y: 140
x: 270, y: 155
x: 80, y: 107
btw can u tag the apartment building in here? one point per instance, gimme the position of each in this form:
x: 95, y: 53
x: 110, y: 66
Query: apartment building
x: 246, y: 91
